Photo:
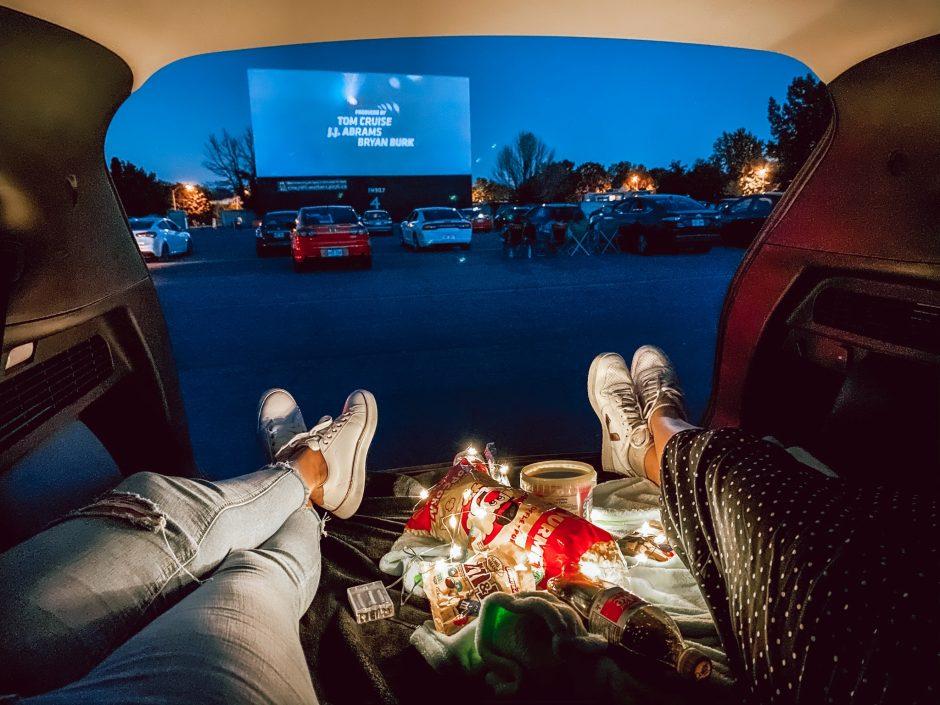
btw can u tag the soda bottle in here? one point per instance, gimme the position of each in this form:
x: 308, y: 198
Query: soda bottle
x: 630, y: 622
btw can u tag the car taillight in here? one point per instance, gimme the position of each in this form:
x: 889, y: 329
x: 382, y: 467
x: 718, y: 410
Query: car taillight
x: 430, y: 226
x: 463, y: 225
x: 146, y: 234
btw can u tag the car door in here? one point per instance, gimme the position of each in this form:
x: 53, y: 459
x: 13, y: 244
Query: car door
x: 734, y: 224
x: 830, y: 327
x: 173, y: 237
x: 79, y: 298
x: 408, y: 225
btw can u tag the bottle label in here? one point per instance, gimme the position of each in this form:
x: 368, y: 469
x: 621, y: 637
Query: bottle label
x: 611, y: 612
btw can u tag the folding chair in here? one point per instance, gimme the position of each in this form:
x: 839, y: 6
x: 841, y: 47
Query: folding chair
x: 605, y: 242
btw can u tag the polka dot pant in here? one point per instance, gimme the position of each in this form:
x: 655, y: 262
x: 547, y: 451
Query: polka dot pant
x: 822, y: 591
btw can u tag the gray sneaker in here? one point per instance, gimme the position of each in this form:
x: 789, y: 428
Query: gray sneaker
x: 657, y: 383
x: 625, y: 438
x: 279, y: 420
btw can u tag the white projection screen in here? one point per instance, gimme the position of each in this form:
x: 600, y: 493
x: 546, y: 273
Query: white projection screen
x: 327, y: 123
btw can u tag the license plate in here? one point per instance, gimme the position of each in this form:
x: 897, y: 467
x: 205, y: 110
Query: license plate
x: 448, y: 237
x: 698, y: 222
x: 333, y: 252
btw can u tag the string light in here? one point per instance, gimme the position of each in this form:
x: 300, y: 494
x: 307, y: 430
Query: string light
x: 452, y: 522
x: 659, y: 539
x: 424, y: 494
x: 455, y: 551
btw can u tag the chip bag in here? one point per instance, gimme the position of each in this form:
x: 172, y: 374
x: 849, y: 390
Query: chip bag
x: 471, y: 509
x: 455, y: 590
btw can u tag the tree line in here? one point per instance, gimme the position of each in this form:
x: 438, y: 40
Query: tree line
x: 526, y: 170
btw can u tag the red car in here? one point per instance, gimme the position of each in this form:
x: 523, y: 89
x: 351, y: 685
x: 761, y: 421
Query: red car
x: 329, y: 232
x: 480, y: 220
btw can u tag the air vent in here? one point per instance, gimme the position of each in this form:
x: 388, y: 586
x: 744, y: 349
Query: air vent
x: 35, y: 395
x: 895, y: 321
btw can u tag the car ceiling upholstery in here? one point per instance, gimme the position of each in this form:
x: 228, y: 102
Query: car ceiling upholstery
x: 828, y: 36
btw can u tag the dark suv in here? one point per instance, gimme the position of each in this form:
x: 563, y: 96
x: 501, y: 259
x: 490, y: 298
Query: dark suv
x: 744, y: 218
x: 274, y: 232
x: 644, y: 224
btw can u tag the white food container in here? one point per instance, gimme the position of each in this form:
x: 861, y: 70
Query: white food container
x: 568, y: 484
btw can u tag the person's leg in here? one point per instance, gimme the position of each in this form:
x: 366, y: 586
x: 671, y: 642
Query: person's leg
x: 73, y: 593
x: 233, y: 641
x: 814, y: 596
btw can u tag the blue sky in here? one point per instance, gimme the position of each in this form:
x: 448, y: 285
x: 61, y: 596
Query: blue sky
x: 590, y: 99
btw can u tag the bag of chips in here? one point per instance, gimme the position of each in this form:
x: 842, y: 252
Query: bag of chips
x: 455, y: 590
x: 469, y: 508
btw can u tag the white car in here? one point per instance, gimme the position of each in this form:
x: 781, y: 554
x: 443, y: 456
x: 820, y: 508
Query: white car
x: 160, y: 237
x: 436, y: 226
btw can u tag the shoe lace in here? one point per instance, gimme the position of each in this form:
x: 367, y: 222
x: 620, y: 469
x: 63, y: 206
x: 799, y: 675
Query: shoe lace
x: 321, y: 436
x: 625, y: 397
x: 657, y: 391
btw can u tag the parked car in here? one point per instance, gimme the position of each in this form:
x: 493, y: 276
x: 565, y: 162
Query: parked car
x: 274, y: 232
x: 479, y: 219
x: 744, y: 218
x: 724, y: 204
x: 546, y: 224
x: 159, y: 238
x: 330, y: 232
x: 509, y: 213
x: 644, y: 224
x: 377, y: 222
x: 425, y: 227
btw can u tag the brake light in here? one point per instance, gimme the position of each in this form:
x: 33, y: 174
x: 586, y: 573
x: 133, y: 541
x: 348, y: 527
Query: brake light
x: 430, y: 226
x: 146, y: 234
x: 463, y: 226
x: 672, y: 219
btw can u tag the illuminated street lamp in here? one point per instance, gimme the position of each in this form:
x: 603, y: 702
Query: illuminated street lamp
x: 189, y: 188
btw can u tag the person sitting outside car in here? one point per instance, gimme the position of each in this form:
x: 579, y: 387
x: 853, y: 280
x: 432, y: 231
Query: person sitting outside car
x: 821, y: 591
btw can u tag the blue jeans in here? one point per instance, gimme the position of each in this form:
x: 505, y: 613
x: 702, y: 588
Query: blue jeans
x: 100, y: 607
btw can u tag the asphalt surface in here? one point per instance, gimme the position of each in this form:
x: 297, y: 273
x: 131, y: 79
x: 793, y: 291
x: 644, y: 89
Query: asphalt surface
x: 458, y: 347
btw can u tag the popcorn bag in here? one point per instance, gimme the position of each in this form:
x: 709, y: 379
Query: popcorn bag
x: 455, y: 590
x: 471, y: 509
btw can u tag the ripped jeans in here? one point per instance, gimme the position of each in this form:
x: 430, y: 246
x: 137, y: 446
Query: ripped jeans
x: 101, y: 606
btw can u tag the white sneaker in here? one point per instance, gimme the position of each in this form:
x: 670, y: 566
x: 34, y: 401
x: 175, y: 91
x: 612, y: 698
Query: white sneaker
x: 279, y: 420
x: 344, y: 443
x: 657, y: 383
x: 625, y: 438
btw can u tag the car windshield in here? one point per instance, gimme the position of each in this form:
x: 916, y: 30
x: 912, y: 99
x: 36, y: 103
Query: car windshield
x: 375, y: 215
x: 141, y: 223
x: 441, y: 214
x: 344, y: 216
x: 286, y: 218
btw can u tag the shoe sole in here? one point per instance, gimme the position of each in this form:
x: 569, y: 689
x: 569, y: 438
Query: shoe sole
x: 268, y: 453
x: 607, y: 454
x: 357, y: 482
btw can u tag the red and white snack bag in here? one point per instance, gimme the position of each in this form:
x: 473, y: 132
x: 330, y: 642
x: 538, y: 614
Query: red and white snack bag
x: 469, y: 508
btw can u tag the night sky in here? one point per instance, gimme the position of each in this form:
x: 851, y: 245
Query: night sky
x: 590, y: 99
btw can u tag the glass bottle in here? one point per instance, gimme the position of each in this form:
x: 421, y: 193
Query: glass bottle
x: 630, y: 622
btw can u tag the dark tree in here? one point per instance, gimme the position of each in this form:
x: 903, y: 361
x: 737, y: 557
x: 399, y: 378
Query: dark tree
x: 619, y: 172
x: 590, y: 177
x: 555, y: 182
x: 734, y: 151
x: 522, y: 160
x: 672, y: 179
x: 705, y: 181
x: 232, y: 159
x: 141, y: 192
x: 798, y: 124
x: 485, y: 190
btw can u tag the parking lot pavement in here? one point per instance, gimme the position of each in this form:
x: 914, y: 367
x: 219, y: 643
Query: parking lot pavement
x: 458, y: 347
